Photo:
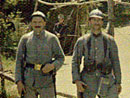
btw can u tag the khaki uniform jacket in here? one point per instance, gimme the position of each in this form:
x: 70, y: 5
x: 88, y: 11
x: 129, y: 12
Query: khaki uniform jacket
x: 38, y: 51
x: 97, y: 53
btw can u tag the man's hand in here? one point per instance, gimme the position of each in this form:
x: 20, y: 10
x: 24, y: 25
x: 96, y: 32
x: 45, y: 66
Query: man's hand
x: 20, y: 87
x: 119, y: 88
x: 80, y: 86
x: 47, y: 68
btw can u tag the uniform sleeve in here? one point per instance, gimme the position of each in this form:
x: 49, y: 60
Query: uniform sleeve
x: 115, y: 61
x: 76, y: 60
x: 58, y: 53
x: 20, y: 60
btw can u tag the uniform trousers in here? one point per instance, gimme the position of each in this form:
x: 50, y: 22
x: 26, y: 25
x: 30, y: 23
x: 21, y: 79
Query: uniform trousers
x: 32, y: 92
x: 92, y: 80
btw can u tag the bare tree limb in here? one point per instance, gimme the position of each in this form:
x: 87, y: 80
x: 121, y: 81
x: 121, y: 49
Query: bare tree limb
x: 76, y: 3
x: 36, y: 5
x: 123, y: 3
x: 69, y: 3
x: 6, y: 76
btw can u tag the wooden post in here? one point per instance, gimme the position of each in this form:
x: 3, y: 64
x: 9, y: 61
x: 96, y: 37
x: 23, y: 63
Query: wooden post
x: 76, y: 29
x: 3, y: 93
x: 36, y: 5
x: 110, y: 25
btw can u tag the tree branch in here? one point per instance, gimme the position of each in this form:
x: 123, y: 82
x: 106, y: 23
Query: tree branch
x: 69, y: 3
x: 7, y: 76
x: 76, y: 3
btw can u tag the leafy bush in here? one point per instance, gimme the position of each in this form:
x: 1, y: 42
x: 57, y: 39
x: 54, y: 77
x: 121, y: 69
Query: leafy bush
x: 13, y: 9
x: 10, y: 37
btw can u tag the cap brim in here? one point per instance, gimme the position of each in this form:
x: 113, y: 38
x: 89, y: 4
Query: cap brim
x: 96, y: 16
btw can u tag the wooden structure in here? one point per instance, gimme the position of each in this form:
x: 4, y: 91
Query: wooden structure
x: 78, y: 3
x: 77, y: 6
x: 4, y: 75
x: 110, y: 17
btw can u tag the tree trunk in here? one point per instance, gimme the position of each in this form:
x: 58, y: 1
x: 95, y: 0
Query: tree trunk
x: 111, y: 17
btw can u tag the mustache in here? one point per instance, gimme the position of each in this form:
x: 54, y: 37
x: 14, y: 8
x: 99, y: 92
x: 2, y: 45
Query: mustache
x: 37, y: 26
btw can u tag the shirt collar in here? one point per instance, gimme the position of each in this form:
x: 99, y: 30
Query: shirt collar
x: 98, y: 35
x: 41, y: 35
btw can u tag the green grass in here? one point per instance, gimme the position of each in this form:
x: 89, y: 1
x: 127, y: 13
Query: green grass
x: 11, y: 88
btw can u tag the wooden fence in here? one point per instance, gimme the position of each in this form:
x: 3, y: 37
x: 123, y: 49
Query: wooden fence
x: 4, y: 75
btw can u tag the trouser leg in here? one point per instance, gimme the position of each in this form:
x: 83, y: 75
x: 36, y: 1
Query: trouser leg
x: 89, y: 95
x: 30, y: 93
x: 112, y: 92
x: 86, y: 95
x: 47, y: 92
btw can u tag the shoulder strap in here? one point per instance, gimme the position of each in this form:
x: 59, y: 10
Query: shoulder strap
x: 106, y: 41
x: 89, y: 46
x: 87, y: 42
x: 25, y: 53
x: 105, y: 45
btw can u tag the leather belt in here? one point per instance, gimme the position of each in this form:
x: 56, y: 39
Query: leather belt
x: 92, y: 68
x: 34, y: 66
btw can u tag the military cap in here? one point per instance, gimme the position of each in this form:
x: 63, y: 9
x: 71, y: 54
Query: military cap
x: 96, y: 13
x: 39, y: 13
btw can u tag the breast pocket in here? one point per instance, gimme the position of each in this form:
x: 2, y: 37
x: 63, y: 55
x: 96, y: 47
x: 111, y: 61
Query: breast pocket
x: 31, y: 49
x: 46, y: 51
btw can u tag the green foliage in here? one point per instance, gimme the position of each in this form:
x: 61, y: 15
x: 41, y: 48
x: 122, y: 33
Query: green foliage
x: 12, y: 2
x: 10, y: 88
x: 21, y: 10
x: 118, y: 9
x: 9, y: 38
x: 122, y: 15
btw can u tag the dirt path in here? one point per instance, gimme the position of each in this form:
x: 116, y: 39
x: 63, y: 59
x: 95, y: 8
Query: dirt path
x: 123, y: 41
x: 122, y: 37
